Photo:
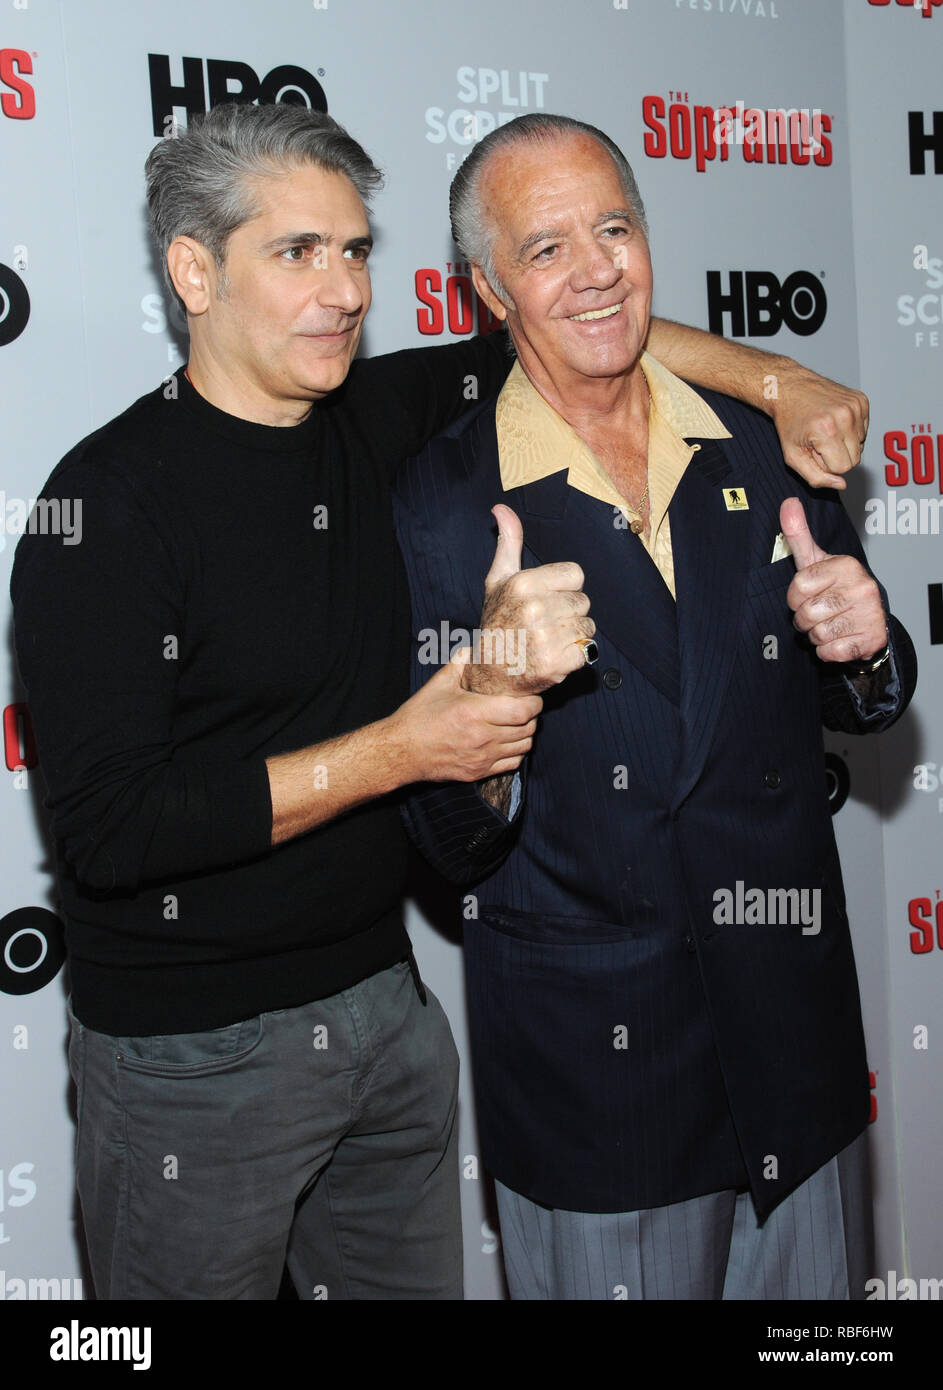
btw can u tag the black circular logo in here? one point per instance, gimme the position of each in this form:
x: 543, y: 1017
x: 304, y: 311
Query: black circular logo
x: 294, y: 87
x: 14, y: 305
x: 837, y: 782
x: 33, y: 945
x: 804, y: 302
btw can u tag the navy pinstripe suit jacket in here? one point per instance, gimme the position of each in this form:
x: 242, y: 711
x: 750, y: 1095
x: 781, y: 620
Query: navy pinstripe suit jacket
x: 629, y: 1049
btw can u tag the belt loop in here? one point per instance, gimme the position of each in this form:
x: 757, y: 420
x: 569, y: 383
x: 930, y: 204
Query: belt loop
x: 414, y: 971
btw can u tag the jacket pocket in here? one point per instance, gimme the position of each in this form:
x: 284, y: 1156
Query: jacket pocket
x: 554, y: 930
x: 778, y: 575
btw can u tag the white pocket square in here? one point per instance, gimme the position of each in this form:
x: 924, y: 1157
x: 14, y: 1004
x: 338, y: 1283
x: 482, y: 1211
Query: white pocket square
x: 781, y: 548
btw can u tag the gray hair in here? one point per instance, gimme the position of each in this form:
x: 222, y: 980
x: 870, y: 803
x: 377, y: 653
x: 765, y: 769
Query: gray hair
x: 199, y: 178
x: 471, y: 230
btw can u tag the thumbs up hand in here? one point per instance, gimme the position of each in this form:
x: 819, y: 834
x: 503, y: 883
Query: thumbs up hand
x: 531, y: 621
x: 833, y: 598
x: 507, y: 555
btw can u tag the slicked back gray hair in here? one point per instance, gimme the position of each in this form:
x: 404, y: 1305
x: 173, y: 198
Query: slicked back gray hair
x: 199, y: 182
x: 471, y: 230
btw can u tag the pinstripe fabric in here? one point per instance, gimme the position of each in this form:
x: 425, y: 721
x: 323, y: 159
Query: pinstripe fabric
x: 817, y: 1244
x: 630, y: 1052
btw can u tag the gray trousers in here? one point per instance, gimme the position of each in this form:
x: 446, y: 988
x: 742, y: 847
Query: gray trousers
x: 817, y: 1244
x: 324, y: 1135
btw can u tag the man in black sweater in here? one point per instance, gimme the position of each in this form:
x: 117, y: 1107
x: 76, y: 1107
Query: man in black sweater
x: 218, y: 678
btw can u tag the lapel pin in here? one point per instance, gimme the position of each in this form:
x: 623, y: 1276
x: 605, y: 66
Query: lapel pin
x: 736, y: 499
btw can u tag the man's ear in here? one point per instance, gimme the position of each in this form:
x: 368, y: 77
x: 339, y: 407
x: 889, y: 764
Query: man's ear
x: 193, y: 272
x: 497, y: 306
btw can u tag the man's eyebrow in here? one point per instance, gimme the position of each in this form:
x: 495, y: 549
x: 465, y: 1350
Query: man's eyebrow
x: 545, y: 234
x: 556, y: 233
x: 282, y: 243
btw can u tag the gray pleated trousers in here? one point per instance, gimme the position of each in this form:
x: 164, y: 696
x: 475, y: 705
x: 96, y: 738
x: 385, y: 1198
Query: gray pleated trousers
x: 817, y: 1244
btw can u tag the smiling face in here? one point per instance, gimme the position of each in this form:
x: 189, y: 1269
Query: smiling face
x: 572, y: 260
x: 282, y: 321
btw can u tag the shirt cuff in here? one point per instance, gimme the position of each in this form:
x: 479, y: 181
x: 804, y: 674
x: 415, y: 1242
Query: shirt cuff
x: 882, y: 693
x: 516, y: 797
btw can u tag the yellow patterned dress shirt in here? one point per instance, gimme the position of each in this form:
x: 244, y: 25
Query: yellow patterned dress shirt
x: 534, y: 442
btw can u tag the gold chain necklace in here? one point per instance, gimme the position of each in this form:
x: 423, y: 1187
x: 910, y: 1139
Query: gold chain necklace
x: 637, y: 526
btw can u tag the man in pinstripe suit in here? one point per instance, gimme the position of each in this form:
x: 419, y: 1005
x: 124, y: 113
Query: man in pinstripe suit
x: 669, y: 1060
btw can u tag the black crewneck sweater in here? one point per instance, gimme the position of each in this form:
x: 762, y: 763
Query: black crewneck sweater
x: 237, y: 593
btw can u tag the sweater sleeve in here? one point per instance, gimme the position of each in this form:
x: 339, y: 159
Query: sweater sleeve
x: 402, y: 400
x: 99, y: 631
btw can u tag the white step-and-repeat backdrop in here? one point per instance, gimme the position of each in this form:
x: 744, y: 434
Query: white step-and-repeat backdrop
x: 822, y: 239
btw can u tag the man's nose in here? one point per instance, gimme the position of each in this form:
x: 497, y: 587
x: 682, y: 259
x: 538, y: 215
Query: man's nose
x: 595, y: 267
x: 343, y: 285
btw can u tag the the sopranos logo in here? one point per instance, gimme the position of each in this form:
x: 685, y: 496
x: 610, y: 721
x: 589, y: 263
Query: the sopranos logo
x: 14, y: 305
x: 914, y: 457
x: 488, y: 97
x: 211, y: 81
x: 914, y: 461
x: 925, y: 916
x: 925, y: 136
x: 448, y: 302
x: 759, y: 304
x: 18, y: 100
x: 778, y: 136
x: 922, y: 7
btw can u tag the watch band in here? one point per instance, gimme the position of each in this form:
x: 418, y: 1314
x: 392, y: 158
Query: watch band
x: 865, y: 668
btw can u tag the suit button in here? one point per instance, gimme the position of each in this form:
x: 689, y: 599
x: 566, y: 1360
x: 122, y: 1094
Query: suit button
x: 772, y: 779
x: 689, y: 943
x: 479, y: 838
x: 612, y: 678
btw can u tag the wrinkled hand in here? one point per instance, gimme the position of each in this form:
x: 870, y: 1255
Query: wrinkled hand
x: 450, y: 734
x: 531, y: 619
x: 834, y: 599
x: 822, y: 426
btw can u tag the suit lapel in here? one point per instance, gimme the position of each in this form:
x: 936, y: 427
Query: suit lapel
x: 711, y: 558
x: 631, y: 605
x: 686, y: 650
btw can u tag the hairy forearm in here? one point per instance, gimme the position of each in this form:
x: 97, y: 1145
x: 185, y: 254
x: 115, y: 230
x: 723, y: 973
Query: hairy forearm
x: 717, y: 363
x: 821, y: 424
x: 497, y: 792
x: 441, y: 734
x: 871, y: 685
x: 316, y: 784
x: 491, y: 680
